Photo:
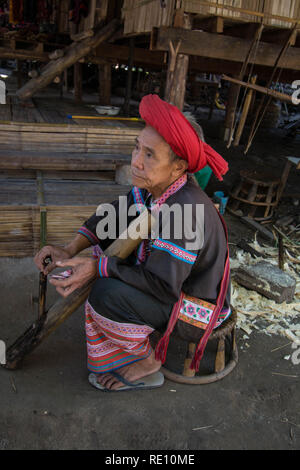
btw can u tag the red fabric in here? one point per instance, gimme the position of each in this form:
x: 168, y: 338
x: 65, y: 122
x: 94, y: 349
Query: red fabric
x: 175, y: 129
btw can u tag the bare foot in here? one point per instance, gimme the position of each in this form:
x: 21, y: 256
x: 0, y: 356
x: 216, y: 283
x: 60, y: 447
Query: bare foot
x: 133, y: 372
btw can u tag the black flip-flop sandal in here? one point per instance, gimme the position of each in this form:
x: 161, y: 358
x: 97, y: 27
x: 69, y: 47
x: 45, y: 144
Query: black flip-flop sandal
x: 149, y: 382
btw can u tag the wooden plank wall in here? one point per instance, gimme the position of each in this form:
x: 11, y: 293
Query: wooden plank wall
x: 195, y: 6
x: 286, y: 8
x: 290, y: 8
x: 141, y: 16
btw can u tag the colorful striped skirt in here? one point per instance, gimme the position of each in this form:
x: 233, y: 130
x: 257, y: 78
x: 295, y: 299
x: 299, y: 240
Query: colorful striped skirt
x: 119, y: 321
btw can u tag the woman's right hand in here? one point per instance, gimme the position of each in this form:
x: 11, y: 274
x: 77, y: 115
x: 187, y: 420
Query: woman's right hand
x: 55, y: 253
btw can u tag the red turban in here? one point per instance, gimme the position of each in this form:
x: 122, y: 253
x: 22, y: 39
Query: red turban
x: 176, y: 130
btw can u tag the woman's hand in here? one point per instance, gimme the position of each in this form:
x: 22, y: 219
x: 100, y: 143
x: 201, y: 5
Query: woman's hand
x: 83, y: 270
x: 55, y: 253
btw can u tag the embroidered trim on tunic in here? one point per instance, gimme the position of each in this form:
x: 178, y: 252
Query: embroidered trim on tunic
x: 138, y: 199
x: 143, y: 249
x: 175, y: 251
x: 102, y: 266
x: 87, y: 233
x: 178, y: 184
x: 198, y: 312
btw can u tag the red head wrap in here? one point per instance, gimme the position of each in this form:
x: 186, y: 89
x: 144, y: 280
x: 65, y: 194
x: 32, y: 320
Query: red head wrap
x: 176, y: 130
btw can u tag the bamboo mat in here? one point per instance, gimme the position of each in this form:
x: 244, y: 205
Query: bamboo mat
x: 68, y: 204
x: 70, y: 197
x: 103, y: 139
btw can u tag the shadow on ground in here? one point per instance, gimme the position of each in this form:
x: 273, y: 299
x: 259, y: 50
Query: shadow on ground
x: 49, y: 404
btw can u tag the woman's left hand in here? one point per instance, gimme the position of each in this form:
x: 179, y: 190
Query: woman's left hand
x: 83, y: 270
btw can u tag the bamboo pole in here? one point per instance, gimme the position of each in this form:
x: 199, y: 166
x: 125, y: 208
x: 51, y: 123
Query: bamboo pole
x: 260, y: 111
x: 260, y: 89
x: 252, y: 49
x: 71, y: 116
x: 64, y: 307
x: 244, y: 114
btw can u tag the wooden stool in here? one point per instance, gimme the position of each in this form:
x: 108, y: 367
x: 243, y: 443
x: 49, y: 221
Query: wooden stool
x: 221, y: 369
x: 256, y: 195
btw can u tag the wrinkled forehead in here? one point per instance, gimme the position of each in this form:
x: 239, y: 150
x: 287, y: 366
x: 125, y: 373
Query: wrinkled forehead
x: 150, y: 138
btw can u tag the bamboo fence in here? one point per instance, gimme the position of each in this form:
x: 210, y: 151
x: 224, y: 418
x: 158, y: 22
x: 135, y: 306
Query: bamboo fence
x: 65, y: 138
x: 77, y: 166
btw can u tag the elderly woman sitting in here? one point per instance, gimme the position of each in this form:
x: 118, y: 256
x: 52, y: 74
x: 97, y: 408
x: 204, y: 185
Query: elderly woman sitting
x: 167, y: 276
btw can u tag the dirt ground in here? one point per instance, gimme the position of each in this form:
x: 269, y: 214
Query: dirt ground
x: 49, y: 404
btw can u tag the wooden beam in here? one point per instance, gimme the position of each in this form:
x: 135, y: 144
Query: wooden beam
x: 242, y: 30
x: 266, y: 91
x: 155, y: 60
x: 177, y: 67
x: 218, y: 67
x: 23, y: 54
x: 213, y: 24
x: 278, y: 36
x: 219, y: 46
x: 83, y: 35
x: 121, y: 53
x: 73, y: 54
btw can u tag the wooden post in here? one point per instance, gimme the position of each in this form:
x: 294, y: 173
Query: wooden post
x: 244, y: 115
x: 177, y: 67
x: 220, y: 356
x: 19, y: 72
x: 65, y: 81
x: 284, y: 178
x: 129, y: 78
x: 187, y: 372
x: 230, y: 109
x: 104, y: 83
x: 78, y: 81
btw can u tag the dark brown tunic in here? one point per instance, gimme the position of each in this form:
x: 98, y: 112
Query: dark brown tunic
x: 168, y: 267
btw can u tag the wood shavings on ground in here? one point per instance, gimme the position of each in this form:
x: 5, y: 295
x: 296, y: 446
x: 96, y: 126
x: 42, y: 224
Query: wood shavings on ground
x: 256, y: 312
